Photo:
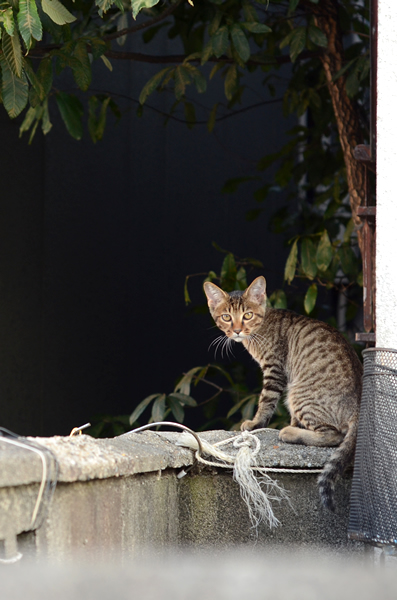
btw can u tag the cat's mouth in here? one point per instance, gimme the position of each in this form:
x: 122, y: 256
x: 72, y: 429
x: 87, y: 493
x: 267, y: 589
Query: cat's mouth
x: 236, y: 337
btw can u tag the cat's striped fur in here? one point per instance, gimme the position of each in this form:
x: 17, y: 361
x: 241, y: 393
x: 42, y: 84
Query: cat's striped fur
x: 311, y: 361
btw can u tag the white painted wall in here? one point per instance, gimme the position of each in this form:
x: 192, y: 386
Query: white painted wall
x: 386, y: 232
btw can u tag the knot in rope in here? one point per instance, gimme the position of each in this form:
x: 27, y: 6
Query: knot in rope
x: 248, y: 440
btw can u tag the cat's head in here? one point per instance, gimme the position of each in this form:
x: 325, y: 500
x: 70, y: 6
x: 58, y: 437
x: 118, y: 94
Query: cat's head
x: 237, y: 314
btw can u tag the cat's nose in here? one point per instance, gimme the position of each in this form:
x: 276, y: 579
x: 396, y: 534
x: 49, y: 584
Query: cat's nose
x: 237, y: 331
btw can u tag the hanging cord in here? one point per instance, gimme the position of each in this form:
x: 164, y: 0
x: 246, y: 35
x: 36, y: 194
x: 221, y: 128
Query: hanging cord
x: 49, y: 479
x: 257, y: 491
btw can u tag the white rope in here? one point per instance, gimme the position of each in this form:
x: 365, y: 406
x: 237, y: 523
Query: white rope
x: 257, y: 489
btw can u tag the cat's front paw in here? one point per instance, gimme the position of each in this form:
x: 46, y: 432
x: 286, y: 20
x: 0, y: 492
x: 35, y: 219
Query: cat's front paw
x: 248, y: 425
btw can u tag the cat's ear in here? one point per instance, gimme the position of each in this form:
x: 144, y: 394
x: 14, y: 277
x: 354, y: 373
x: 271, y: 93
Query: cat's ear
x: 214, y: 294
x: 256, y: 292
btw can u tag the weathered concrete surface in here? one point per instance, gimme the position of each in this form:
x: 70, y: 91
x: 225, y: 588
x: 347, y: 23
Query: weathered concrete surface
x: 259, y: 573
x: 82, y: 458
x: 120, y: 496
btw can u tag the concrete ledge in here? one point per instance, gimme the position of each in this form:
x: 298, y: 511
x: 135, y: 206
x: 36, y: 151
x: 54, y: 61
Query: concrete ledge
x: 123, y: 495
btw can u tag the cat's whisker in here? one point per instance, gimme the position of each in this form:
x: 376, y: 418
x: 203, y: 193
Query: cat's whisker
x: 217, y: 342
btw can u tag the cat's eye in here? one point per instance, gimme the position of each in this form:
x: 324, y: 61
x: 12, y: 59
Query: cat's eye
x: 248, y: 316
x: 226, y: 317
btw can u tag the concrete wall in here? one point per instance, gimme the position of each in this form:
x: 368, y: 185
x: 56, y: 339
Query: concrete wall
x: 121, y: 497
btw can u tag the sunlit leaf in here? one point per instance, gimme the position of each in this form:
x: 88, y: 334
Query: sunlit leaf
x: 310, y: 298
x: 324, y: 252
x: 290, y: 265
x: 57, y: 12
x: 184, y: 384
x: 7, y: 18
x: 158, y: 410
x: 183, y: 398
x: 29, y: 22
x: 11, y: 47
x: 141, y: 407
x: 137, y: 5
x: 14, y: 90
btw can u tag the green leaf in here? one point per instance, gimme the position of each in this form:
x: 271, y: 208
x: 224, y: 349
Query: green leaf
x: 228, y: 273
x: 82, y: 67
x: 298, y: 42
x: 310, y: 298
x: 141, y: 407
x: 317, y: 36
x: 190, y: 114
x: 152, y: 84
x: 14, y: 90
x: 98, y: 47
x: 137, y: 5
x: 182, y: 79
x: 44, y: 75
x: 290, y: 265
x: 46, y: 123
x: 216, y: 21
x: 324, y: 252
x: 199, y: 80
x: 241, y: 279
x: 231, y: 82
x: 207, y: 52
x: 278, y: 299
x: 11, y: 47
x: 348, y: 231
x: 308, y: 258
x: 184, y: 384
x: 28, y: 120
x: 184, y: 399
x: 7, y: 18
x: 220, y: 41
x: 256, y: 27
x: 106, y: 62
x: 71, y: 111
x: 293, y: 4
x: 212, y: 118
x: 237, y: 406
x: 96, y: 126
x: 31, y: 75
x: 240, y: 42
x: 348, y: 260
x: 158, y: 409
x: 186, y: 291
x: 57, y: 12
x: 29, y: 22
x: 104, y: 6
x: 176, y: 408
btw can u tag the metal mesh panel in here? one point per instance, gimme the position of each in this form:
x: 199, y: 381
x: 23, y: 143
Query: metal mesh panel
x: 373, y: 506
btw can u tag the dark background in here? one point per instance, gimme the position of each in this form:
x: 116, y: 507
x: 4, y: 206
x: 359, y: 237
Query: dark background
x: 96, y: 241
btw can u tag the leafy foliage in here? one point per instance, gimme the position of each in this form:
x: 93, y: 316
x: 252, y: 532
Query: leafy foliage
x: 227, y: 40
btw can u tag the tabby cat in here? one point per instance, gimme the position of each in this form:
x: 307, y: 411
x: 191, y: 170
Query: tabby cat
x: 311, y: 361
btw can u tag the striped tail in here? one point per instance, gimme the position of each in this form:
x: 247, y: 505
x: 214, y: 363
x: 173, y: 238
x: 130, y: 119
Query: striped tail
x: 339, y: 461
